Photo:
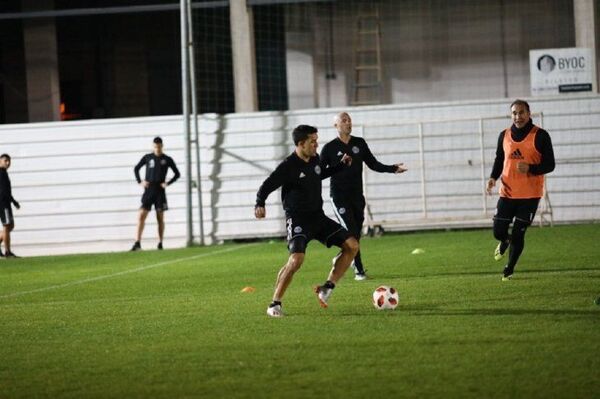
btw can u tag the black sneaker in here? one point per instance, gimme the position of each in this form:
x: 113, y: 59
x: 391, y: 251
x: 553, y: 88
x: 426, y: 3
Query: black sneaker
x: 508, y: 272
x: 159, y: 246
x: 10, y: 255
x: 136, y: 247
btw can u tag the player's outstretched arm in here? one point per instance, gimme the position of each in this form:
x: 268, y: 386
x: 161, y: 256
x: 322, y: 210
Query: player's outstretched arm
x: 374, y: 164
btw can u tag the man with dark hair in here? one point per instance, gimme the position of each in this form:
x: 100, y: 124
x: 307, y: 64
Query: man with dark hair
x: 157, y: 165
x: 523, y: 156
x: 299, y: 176
x: 6, y: 199
x: 347, y: 186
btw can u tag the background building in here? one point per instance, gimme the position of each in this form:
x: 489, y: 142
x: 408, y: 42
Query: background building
x: 109, y: 58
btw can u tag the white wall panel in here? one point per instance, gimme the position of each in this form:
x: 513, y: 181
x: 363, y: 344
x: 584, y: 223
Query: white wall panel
x: 76, y: 185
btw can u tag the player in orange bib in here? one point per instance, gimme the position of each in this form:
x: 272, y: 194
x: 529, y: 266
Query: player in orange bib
x: 524, y: 155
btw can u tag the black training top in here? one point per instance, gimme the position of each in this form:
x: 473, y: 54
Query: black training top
x: 156, y: 168
x: 349, y: 181
x: 543, y: 144
x: 6, y: 189
x: 300, y: 184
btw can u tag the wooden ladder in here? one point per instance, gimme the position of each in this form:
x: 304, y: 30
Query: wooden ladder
x: 367, y: 85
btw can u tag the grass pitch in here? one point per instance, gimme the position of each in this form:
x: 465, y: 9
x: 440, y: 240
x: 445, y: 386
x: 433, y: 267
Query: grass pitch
x: 175, y: 324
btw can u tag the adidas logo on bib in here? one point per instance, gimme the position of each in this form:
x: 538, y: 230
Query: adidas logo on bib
x: 517, y: 154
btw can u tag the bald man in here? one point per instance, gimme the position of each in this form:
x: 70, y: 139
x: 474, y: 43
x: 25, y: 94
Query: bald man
x: 347, y: 186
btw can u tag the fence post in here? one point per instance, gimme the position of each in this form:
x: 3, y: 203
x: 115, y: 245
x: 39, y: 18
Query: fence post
x: 422, y: 158
x: 482, y: 153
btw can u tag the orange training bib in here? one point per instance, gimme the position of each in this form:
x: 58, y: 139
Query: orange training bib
x: 516, y: 184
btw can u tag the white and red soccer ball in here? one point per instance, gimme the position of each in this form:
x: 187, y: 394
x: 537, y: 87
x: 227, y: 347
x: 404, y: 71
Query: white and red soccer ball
x: 385, y: 297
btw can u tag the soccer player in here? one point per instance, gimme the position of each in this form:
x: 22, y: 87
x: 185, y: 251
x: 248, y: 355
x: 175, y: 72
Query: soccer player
x: 523, y: 156
x: 346, y: 189
x: 157, y: 165
x: 299, y: 176
x: 6, y: 199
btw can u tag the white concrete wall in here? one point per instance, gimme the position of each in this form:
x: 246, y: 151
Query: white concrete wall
x: 430, y: 51
x: 78, y: 194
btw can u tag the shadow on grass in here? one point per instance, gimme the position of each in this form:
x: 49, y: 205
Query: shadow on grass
x: 595, y: 314
x: 496, y: 272
x: 450, y: 274
x: 415, y: 310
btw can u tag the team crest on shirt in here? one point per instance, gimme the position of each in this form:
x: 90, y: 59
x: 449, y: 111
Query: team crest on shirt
x: 163, y: 161
x: 297, y: 229
x: 342, y: 211
x: 318, y: 169
x: 355, y: 150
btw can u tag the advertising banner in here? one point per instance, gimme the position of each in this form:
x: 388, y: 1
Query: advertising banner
x: 561, y: 70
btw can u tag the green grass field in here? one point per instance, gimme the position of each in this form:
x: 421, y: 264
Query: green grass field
x: 175, y: 324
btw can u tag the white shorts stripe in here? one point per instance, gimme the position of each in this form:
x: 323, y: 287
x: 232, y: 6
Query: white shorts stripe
x: 337, y: 214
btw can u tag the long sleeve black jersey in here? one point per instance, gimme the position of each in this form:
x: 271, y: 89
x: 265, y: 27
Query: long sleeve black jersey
x: 156, y: 168
x: 6, y: 189
x: 349, y: 181
x: 543, y: 144
x: 300, y: 184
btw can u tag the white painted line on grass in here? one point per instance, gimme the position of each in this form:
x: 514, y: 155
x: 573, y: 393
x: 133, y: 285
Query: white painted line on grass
x: 107, y: 276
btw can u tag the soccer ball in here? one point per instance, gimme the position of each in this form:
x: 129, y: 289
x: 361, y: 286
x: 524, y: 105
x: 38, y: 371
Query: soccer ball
x: 385, y: 297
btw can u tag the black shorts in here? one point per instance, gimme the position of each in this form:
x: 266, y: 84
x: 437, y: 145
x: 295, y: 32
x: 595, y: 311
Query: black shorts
x: 303, y: 228
x: 520, y: 209
x: 154, y: 195
x: 6, y: 214
x: 350, y: 212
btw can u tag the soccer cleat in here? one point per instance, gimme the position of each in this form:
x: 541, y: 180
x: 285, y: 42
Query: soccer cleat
x: 159, y: 246
x: 500, y: 250
x: 361, y: 277
x: 10, y: 255
x: 136, y: 247
x: 507, y: 273
x: 323, y: 295
x: 275, y: 311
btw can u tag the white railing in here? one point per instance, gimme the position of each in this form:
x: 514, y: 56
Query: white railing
x: 483, y: 140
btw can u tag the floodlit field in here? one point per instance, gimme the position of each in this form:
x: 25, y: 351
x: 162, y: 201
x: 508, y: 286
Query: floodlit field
x: 175, y: 324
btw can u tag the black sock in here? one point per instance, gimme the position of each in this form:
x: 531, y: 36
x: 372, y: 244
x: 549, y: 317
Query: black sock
x: 360, y: 269
x: 517, y: 243
x: 504, y: 245
x: 275, y: 303
x: 329, y: 284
